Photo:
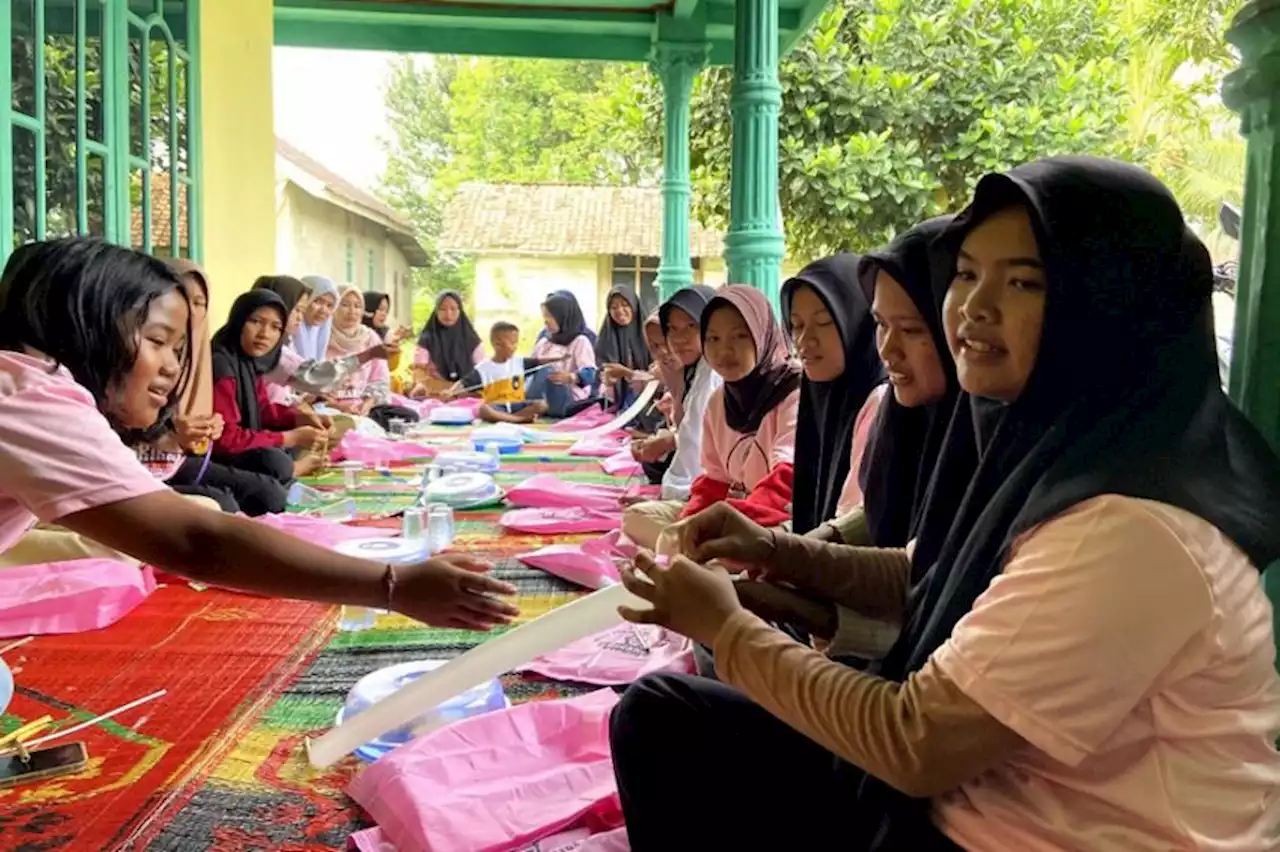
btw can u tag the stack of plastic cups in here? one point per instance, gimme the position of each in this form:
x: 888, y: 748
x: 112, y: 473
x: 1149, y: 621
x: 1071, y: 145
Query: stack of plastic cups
x: 439, y: 527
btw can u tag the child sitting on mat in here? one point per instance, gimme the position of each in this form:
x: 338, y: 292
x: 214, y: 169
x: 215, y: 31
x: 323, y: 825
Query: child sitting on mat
x: 500, y: 380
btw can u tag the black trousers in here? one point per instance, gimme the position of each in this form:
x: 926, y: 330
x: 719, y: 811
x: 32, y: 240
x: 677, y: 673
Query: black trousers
x: 256, y: 482
x: 701, y: 766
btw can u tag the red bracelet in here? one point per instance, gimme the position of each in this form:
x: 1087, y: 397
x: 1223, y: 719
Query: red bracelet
x: 389, y: 585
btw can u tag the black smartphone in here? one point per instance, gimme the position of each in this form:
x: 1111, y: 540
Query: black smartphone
x: 44, y: 763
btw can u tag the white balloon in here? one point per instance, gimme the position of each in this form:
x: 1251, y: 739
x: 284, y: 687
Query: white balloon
x: 583, y: 617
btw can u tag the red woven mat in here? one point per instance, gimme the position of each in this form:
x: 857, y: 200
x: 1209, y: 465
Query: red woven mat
x: 221, y: 656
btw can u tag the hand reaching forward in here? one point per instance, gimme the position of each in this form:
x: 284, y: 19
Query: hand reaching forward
x: 691, y: 599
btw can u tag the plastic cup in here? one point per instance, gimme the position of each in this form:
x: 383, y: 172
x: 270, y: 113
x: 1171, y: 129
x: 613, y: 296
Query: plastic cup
x: 439, y: 527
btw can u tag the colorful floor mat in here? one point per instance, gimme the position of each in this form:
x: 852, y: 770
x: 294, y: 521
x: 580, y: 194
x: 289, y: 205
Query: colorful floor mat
x: 221, y: 766
x: 224, y: 659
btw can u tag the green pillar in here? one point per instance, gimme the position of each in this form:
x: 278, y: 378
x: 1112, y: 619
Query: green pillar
x: 676, y: 64
x: 1254, y: 92
x: 754, y: 246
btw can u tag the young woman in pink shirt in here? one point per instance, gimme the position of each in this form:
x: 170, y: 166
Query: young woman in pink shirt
x: 93, y: 354
x: 749, y: 430
x: 1087, y: 659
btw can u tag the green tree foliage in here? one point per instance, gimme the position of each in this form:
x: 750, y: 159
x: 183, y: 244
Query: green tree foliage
x: 892, y: 109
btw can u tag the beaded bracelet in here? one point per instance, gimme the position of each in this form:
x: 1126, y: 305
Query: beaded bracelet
x: 389, y: 585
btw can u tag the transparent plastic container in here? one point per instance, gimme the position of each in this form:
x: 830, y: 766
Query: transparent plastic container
x: 377, y: 685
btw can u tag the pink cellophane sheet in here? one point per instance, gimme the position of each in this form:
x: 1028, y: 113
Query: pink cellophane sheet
x: 497, y: 782
x: 70, y: 597
x: 558, y: 521
x: 544, y: 491
x: 617, y: 656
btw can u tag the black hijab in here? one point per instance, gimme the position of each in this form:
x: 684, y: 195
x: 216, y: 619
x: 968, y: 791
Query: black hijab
x: 693, y: 301
x: 230, y: 360
x: 1142, y: 416
x: 905, y: 442
x: 451, y: 346
x: 289, y: 289
x: 617, y: 344
x: 563, y: 307
x: 828, y: 410
x: 372, y: 301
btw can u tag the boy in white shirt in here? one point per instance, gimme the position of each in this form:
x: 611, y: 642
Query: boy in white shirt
x: 500, y: 380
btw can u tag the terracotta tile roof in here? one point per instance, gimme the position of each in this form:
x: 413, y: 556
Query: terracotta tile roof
x: 160, y: 215
x: 563, y: 220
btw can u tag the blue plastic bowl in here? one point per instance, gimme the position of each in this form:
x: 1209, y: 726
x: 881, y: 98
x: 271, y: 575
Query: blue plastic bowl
x: 377, y: 685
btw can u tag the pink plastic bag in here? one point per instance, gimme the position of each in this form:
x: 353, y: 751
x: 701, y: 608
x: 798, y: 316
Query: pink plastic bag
x: 70, y: 597
x: 571, y: 562
x: 550, y: 492
x: 617, y: 656
x: 582, y: 840
x: 320, y: 531
x: 583, y: 420
x: 370, y: 840
x: 367, y: 449
x: 608, y: 444
x: 557, y: 521
x: 497, y: 782
x: 612, y: 544
x: 622, y: 463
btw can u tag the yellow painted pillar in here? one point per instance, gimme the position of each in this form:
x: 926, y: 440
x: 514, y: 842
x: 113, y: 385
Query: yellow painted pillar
x: 238, y: 147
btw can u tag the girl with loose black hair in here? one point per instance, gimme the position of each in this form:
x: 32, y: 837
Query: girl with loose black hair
x: 92, y: 347
x: 91, y: 330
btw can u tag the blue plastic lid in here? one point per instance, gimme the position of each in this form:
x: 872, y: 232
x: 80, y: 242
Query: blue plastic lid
x: 377, y: 685
x: 506, y: 445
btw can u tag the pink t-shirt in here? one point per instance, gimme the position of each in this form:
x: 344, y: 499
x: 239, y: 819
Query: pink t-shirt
x: 58, y: 454
x: 278, y: 390
x: 743, y: 460
x: 851, y: 494
x: 1130, y: 644
x: 578, y: 355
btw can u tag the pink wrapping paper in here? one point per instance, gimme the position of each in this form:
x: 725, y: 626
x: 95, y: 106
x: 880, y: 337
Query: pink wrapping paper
x: 608, y: 444
x: 583, y: 420
x: 612, y: 544
x: 70, y: 597
x: 558, y: 521
x: 574, y: 840
x: 320, y: 531
x: 571, y: 562
x: 545, y: 491
x: 617, y: 656
x: 367, y: 449
x: 622, y: 463
x: 497, y: 782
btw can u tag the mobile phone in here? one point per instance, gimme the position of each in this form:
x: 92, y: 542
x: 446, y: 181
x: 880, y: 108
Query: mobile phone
x: 44, y: 763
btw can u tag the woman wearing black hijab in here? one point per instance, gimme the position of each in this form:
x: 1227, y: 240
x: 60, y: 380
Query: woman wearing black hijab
x: 906, y: 435
x: 1087, y: 660
x: 448, y: 346
x: 620, y: 347
x: 832, y: 394
x: 251, y: 458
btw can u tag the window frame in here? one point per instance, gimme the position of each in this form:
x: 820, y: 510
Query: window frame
x: 120, y: 26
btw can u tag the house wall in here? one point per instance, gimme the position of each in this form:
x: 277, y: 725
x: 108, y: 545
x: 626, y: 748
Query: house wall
x: 237, y: 147
x: 314, y: 236
x: 513, y: 287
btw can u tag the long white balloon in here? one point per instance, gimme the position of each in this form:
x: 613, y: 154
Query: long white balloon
x: 583, y: 617
x: 613, y: 425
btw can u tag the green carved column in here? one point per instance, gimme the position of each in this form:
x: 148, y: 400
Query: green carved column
x: 676, y: 64
x: 1254, y: 92
x: 754, y: 246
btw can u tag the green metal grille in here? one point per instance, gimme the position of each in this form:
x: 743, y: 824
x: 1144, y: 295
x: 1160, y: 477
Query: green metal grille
x: 101, y: 123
